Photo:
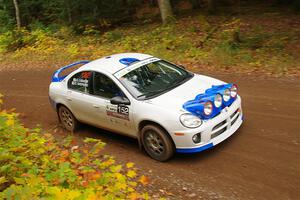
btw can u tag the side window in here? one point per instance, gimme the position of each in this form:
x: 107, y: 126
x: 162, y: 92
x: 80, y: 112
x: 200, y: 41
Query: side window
x: 80, y: 81
x: 105, y: 87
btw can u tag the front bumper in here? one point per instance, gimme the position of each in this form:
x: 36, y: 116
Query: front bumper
x: 212, y: 131
x: 52, y: 102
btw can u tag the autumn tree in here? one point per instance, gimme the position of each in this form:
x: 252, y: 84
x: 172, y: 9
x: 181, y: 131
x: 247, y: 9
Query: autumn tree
x: 166, y: 11
x: 17, y: 11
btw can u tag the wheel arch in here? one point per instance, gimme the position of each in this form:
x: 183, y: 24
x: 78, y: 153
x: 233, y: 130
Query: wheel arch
x: 145, y: 122
x: 58, y: 105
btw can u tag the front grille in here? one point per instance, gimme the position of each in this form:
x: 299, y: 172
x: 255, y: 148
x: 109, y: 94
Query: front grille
x: 233, y: 114
x: 222, y: 126
x: 234, y: 120
x: 219, y: 125
x: 218, y: 132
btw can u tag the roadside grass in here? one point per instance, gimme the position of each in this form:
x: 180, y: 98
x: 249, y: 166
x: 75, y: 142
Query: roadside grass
x: 36, y: 165
x: 243, y: 43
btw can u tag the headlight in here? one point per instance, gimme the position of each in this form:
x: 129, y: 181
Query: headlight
x: 218, y: 100
x: 208, y: 108
x: 233, y: 91
x: 226, y: 95
x: 190, y: 121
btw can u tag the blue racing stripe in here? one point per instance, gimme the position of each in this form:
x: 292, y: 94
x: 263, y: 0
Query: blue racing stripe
x: 195, y: 150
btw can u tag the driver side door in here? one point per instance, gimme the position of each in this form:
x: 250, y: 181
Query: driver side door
x: 119, y: 118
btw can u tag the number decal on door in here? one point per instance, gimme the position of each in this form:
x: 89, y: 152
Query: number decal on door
x: 123, y: 110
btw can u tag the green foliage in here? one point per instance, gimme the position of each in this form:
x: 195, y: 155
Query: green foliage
x: 296, y: 5
x: 6, y: 22
x: 33, y: 165
x: 76, y: 13
x: 112, y: 36
x: 235, y: 43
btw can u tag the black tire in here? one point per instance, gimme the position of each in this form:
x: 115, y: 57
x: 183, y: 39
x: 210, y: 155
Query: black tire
x: 67, y: 119
x: 157, y: 143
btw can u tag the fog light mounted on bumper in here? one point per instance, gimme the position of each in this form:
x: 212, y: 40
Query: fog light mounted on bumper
x: 197, y: 138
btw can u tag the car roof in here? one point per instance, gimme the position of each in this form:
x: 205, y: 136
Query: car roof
x: 113, y: 63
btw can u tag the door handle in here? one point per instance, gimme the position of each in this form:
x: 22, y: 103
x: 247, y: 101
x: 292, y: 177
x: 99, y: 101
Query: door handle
x: 68, y: 97
x: 95, y: 106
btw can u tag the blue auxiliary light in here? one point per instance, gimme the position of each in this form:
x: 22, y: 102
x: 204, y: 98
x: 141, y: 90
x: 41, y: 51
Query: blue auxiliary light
x: 196, y: 106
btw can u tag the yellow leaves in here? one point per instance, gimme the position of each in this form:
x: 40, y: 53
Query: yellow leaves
x: 132, y: 183
x: 144, y: 180
x: 63, y: 194
x: 134, y: 196
x: 18, y: 181
x: 120, y: 186
x: 49, y: 165
x: 137, y: 196
x: 131, y: 174
x: 73, y: 194
x: 10, y: 121
x: 1, y: 101
x: 2, y: 180
x: 116, y: 168
x: 129, y: 165
x: 130, y: 189
x: 18, y: 149
x: 94, y: 197
x: 106, y: 163
x: 120, y: 177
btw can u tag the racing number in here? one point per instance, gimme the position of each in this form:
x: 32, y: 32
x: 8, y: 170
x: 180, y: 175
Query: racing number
x: 123, y: 110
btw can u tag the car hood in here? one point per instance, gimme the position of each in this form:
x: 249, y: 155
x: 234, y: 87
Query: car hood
x: 175, y: 98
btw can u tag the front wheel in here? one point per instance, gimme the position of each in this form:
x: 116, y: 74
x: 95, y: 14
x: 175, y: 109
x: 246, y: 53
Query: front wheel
x: 67, y: 119
x: 157, y: 143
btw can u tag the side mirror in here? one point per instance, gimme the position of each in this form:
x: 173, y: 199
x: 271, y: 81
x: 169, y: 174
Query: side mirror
x: 119, y: 100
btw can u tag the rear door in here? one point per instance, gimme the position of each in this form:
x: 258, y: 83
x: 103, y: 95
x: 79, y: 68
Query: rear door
x: 85, y: 107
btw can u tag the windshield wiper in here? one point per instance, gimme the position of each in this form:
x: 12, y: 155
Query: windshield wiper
x: 152, y: 93
x: 175, y: 84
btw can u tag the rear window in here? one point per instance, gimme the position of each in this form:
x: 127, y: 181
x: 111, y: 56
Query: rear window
x: 80, y: 81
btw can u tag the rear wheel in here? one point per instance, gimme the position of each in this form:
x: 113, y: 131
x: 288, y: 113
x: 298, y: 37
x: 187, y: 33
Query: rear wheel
x: 67, y: 119
x: 157, y: 143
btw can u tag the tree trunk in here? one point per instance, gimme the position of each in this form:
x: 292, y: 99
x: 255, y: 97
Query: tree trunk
x: 212, y: 6
x: 68, y: 10
x: 165, y: 11
x: 17, y: 13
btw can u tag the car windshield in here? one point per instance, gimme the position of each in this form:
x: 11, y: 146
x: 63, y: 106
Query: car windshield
x: 153, y: 79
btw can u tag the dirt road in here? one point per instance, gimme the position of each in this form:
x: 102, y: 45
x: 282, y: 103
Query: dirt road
x: 261, y: 161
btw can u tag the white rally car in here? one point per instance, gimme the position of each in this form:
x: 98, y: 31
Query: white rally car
x: 167, y: 108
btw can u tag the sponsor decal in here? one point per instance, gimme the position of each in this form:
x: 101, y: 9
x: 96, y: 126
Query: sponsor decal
x: 83, y: 80
x: 128, y: 69
x: 118, y: 111
x: 86, y: 75
x: 80, y: 82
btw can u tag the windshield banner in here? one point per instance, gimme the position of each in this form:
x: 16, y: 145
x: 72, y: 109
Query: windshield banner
x: 128, y: 69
